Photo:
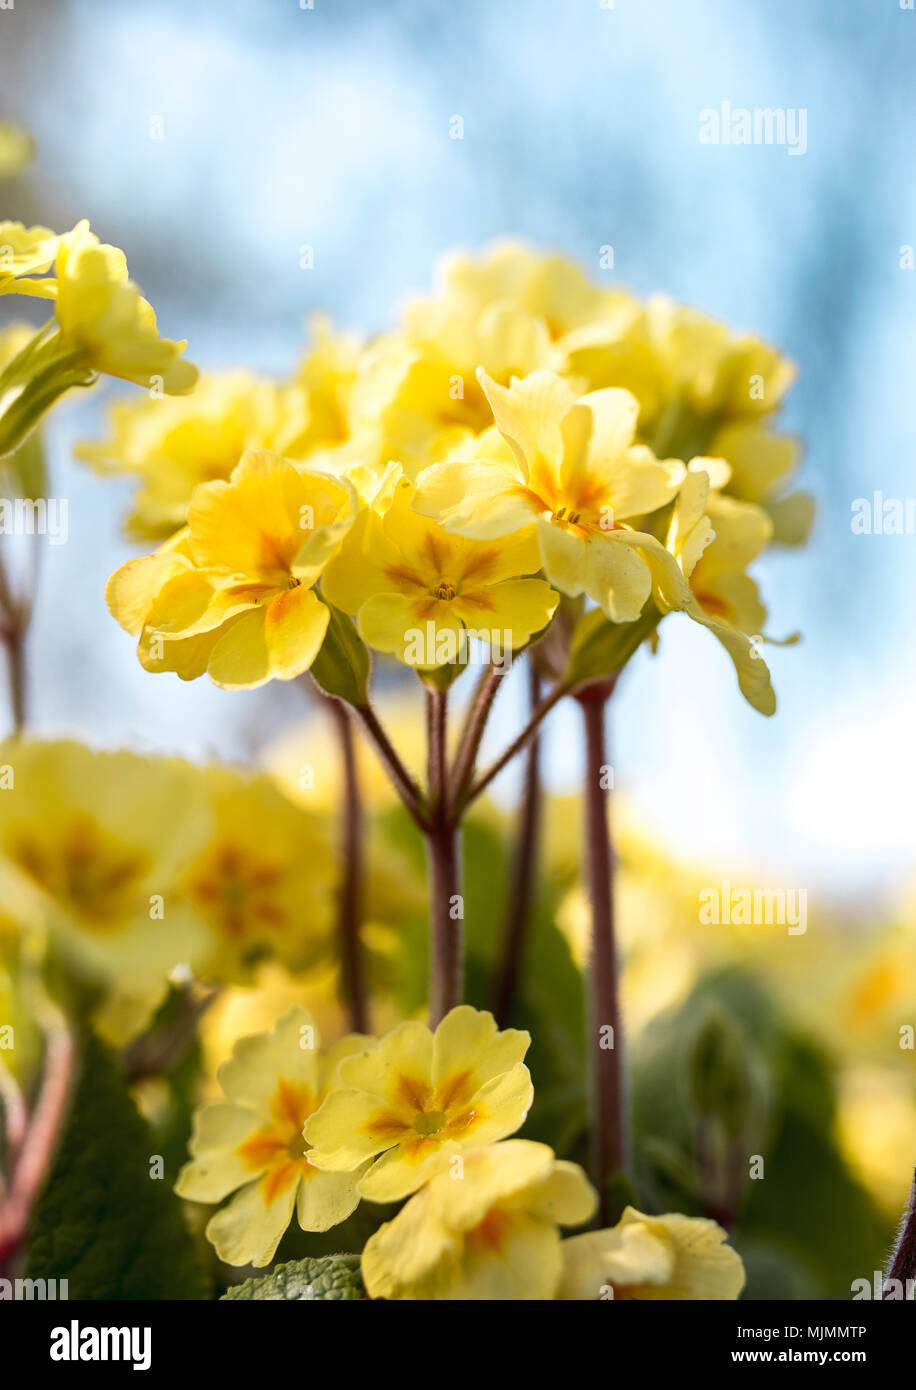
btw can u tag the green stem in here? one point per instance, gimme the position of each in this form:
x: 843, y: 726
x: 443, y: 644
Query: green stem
x: 608, y: 1121
x: 353, y: 874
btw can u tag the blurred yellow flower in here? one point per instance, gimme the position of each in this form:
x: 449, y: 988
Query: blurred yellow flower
x: 549, y: 287
x: 484, y: 1228
x: 417, y: 592
x: 263, y: 881
x: 233, y: 595
x: 652, y: 1257
x: 172, y: 444
x: 106, y: 321
x: 252, y: 1143
x: 26, y: 252
x: 96, y: 840
x: 420, y: 1096
x: 574, y: 474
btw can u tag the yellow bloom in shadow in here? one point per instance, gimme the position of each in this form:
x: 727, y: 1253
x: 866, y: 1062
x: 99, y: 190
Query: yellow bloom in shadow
x: 263, y: 882
x: 419, y: 1096
x: 252, y: 1143
x: 652, y: 1257
x: 233, y: 595
x: 484, y: 1228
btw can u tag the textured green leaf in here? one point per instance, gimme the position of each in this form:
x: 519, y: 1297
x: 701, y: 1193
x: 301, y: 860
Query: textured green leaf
x: 300, y: 1281
x: 103, y: 1223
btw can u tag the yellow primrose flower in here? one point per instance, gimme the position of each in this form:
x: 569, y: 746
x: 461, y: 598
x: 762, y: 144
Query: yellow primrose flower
x: 233, y: 594
x: 551, y: 288
x: 484, y: 1228
x: 419, y: 593
x: 674, y: 358
x: 652, y: 1257
x: 574, y: 474
x: 422, y: 382
x: 103, y: 317
x: 173, y: 444
x: 252, y: 1143
x: 419, y: 1096
x: 714, y: 539
x: 97, y: 841
x: 263, y: 880
x: 761, y: 462
x: 26, y: 252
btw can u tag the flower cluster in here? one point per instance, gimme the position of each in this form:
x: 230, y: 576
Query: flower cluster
x: 553, y: 441
x: 425, y: 1116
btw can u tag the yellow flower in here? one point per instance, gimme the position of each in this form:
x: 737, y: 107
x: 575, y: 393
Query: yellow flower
x: 420, y: 1096
x: 252, y: 1143
x: 419, y: 593
x: 714, y: 539
x: 233, y: 594
x: 263, y: 880
x: 574, y: 473
x: 484, y: 1228
x: 652, y: 1257
x: 548, y: 287
x: 27, y: 252
x: 422, y: 383
x: 174, y: 444
x: 104, y: 318
x: 97, y: 840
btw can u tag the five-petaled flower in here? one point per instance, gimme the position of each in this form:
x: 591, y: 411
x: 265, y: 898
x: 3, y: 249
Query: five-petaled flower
x: 571, y: 471
x: 233, y: 594
x: 252, y: 1143
x: 418, y: 592
x: 419, y: 1096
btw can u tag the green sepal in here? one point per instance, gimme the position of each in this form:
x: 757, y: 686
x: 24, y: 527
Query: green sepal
x: 341, y: 667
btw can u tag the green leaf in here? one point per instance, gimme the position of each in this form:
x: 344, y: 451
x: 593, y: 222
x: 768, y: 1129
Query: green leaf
x: 103, y: 1223
x: 336, y: 1276
x: 601, y: 648
x: 341, y: 668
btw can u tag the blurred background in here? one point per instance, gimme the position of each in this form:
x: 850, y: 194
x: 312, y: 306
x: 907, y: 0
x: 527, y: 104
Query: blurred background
x: 214, y: 142
x: 283, y: 126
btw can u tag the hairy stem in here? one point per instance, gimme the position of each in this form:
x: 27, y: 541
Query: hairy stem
x: 353, y: 875
x: 524, y: 867
x: 446, y: 907
x: 404, y: 784
x: 516, y: 746
x: 37, y: 1148
x: 903, y: 1265
x: 472, y: 736
x: 608, y: 1122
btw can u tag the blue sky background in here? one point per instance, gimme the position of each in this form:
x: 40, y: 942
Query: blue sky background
x: 330, y: 126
